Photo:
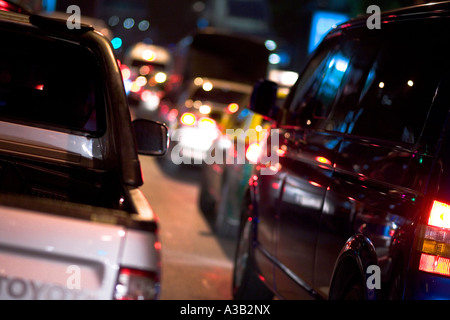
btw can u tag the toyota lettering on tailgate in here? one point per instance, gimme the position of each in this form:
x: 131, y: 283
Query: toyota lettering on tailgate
x: 17, y: 288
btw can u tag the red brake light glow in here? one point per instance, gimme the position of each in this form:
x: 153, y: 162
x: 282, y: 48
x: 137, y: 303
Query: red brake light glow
x: 323, y: 160
x: 440, y: 215
x: 133, y: 284
x: 434, y: 241
x: 434, y: 264
x: 8, y: 6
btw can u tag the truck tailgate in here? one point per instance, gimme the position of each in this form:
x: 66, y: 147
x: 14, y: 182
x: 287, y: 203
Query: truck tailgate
x: 45, y: 256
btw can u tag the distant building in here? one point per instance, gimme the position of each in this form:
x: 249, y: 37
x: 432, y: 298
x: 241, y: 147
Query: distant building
x: 244, y: 16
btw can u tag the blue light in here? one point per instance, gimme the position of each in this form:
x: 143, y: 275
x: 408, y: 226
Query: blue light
x: 128, y: 23
x: 49, y: 5
x: 274, y: 58
x: 202, y: 23
x: 243, y: 114
x: 116, y: 42
x: 270, y: 45
x: 322, y: 22
x: 144, y: 25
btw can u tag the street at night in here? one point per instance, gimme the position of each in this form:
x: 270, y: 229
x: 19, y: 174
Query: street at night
x: 196, y: 265
x: 210, y: 152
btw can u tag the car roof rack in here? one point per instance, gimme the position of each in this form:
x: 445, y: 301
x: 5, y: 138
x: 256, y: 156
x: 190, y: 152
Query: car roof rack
x: 57, y: 25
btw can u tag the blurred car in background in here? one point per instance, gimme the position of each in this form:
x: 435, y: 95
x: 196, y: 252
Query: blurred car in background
x: 212, y: 77
x: 285, y: 80
x: 202, y: 110
x: 145, y: 72
x: 222, y: 185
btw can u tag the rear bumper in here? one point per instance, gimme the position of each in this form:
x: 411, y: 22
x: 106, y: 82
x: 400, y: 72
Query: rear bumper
x: 68, y: 256
x: 427, y: 286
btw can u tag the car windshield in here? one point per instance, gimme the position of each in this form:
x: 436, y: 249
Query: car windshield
x: 49, y: 83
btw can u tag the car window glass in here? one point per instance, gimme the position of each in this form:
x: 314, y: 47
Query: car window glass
x: 376, y: 85
x: 317, y: 87
x: 400, y: 86
x: 49, y: 83
x: 328, y: 99
x: 362, y: 52
x: 241, y: 118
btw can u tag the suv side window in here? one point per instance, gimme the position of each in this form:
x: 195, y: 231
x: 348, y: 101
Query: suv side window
x: 361, y: 53
x: 377, y: 85
x: 399, y: 89
x: 328, y: 90
x: 327, y: 94
x: 312, y: 94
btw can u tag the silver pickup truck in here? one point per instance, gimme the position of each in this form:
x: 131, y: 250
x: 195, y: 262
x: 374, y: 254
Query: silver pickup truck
x: 73, y: 222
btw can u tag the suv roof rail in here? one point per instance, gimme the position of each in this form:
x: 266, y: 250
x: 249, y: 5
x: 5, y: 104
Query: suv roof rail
x: 58, y: 25
x: 427, y: 9
x: 432, y: 7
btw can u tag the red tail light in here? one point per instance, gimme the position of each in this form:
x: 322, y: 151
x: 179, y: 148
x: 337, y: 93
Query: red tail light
x: 440, y: 215
x: 434, y: 264
x: 133, y: 284
x: 434, y: 240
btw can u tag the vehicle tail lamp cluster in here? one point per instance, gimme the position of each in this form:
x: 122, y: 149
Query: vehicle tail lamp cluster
x: 434, y: 241
x: 133, y: 284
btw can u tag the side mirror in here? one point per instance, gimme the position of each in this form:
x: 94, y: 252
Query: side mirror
x: 263, y: 98
x: 152, y: 137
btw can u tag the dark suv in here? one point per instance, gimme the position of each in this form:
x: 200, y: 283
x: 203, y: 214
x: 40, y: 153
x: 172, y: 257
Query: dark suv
x: 358, y: 205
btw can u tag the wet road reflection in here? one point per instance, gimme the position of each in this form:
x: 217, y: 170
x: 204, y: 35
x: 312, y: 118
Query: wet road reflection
x: 196, y: 265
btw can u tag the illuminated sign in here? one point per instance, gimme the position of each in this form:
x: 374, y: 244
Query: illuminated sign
x: 322, y: 22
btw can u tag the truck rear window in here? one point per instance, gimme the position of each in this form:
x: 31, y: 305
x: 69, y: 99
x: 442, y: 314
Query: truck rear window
x: 50, y: 83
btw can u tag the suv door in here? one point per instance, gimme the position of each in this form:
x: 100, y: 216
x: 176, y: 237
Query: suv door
x: 306, y: 167
x: 338, y: 210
